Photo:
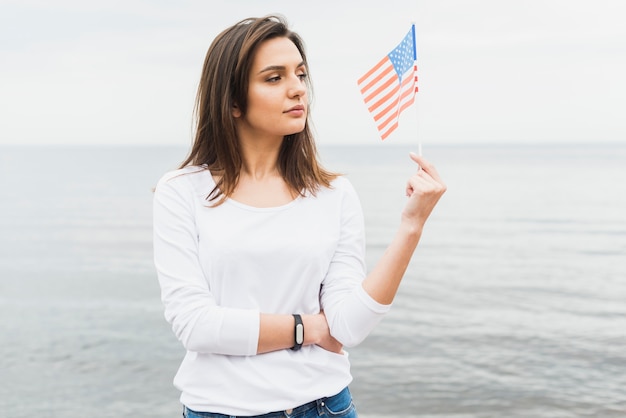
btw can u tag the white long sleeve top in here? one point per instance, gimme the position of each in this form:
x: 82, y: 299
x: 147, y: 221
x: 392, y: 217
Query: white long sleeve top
x: 220, y: 267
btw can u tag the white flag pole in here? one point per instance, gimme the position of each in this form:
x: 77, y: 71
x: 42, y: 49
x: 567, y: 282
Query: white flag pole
x: 419, y: 143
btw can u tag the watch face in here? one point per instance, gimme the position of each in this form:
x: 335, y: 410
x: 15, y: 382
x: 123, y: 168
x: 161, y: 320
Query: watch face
x: 299, y: 334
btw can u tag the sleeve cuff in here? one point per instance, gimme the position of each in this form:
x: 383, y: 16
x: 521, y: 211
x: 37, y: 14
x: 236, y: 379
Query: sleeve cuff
x: 370, y: 303
x: 240, y: 328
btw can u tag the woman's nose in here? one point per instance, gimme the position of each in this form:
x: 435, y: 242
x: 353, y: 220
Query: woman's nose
x: 298, y: 88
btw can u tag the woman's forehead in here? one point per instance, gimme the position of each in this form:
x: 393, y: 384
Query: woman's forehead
x: 276, y: 52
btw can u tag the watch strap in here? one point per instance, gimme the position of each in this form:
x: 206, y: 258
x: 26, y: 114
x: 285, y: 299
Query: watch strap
x: 298, y: 332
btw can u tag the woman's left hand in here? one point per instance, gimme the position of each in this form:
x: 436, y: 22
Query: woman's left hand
x: 424, y: 189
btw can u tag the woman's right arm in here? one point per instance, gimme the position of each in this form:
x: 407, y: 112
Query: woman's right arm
x: 197, y: 321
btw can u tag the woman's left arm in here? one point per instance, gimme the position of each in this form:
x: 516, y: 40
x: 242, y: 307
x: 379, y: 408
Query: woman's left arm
x: 424, y: 190
x: 354, y: 305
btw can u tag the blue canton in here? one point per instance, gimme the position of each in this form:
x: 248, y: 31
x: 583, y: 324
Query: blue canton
x: 402, y: 56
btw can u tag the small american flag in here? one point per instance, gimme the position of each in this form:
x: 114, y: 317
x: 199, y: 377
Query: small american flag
x: 390, y: 86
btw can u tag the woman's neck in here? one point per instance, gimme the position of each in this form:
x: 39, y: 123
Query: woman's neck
x: 260, y: 183
x: 260, y: 159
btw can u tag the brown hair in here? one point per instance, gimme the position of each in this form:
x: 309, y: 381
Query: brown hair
x: 224, y: 83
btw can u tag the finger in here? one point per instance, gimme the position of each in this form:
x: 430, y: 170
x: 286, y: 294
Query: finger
x: 427, y: 167
x: 415, y: 158
x: 424, y: 175
x: 419, y: 182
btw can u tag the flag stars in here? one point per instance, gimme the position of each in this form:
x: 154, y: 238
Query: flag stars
x: 402, y: 56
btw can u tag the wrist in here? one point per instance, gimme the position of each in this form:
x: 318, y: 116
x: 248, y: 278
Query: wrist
x: 311, y: 333
x: 411, y: 228
x: 298, y: 333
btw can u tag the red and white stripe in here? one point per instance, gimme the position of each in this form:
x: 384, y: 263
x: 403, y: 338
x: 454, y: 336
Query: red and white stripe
x: 384, y: 95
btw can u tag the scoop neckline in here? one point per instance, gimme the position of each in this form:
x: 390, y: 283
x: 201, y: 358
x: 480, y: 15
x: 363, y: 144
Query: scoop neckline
x: 263, y: 209
x: 241, y: 205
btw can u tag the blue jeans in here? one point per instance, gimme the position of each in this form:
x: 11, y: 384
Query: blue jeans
x: 339, y: 405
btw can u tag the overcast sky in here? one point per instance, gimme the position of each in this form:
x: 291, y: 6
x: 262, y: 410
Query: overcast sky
x: 126, y: 71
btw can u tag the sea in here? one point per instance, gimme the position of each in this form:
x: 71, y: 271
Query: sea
x: 514, y: 304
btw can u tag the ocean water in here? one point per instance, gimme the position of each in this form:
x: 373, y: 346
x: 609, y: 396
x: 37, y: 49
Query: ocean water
x: 513, y: 306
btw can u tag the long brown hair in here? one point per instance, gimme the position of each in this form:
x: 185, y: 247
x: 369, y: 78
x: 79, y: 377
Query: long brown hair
x: 224, y: 83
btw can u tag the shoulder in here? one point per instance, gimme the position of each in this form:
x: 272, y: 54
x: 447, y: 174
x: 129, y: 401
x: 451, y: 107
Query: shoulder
x: 346, y: 201
x: 340, y: 181
x: 194, y: 179
x: 174, y: 175
x: 341, y: 194
x: 342, y: 186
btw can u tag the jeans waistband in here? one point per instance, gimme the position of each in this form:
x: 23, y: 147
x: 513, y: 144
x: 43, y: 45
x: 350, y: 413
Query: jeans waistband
x: 297, y: 411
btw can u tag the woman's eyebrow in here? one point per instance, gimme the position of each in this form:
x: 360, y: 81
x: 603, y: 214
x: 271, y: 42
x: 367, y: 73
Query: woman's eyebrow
x: 278, y: 67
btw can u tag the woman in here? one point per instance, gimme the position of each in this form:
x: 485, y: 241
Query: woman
x: 260, y: 251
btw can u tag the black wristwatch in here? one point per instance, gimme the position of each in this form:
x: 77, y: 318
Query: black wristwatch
x: 298, y: 333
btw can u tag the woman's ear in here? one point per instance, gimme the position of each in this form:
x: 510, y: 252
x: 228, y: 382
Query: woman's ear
x: 236, y: 112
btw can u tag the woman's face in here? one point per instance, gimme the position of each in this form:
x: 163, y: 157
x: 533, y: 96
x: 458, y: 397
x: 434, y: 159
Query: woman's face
x: 277, y: 93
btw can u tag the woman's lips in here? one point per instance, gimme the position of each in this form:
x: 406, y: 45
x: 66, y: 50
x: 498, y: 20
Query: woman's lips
x: 296, y: 111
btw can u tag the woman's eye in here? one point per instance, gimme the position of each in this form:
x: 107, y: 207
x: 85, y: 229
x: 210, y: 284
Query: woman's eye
x: 274, y: 79
x: 303, y: 76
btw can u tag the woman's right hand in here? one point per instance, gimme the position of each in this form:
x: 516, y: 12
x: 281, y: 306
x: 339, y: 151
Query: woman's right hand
x: 316, y: 331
